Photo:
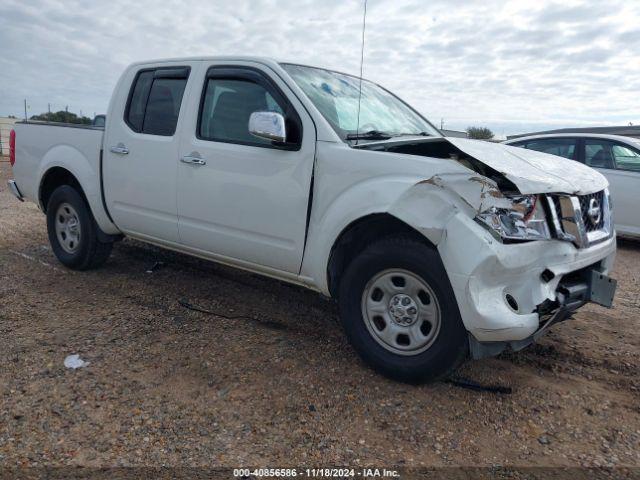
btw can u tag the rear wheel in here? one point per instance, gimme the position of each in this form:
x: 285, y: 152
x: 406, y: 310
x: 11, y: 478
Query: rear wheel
x: 399, y: 312
x: 73, y: 232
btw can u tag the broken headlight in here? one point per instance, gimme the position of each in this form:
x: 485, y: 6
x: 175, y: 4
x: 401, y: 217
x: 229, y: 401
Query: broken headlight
x: 523, y: 219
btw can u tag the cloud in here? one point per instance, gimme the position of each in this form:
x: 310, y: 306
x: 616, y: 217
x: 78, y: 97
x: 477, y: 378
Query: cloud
x: 508, y: 65
x: 574, y: 14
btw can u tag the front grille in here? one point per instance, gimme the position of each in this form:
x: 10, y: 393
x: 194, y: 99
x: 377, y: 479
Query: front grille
x: 592, y: 223
x: 582, y: 219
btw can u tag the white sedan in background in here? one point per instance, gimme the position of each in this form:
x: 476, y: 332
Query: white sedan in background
x: 615, y: 156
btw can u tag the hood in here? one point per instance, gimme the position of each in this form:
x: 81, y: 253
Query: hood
x: 532, y: 171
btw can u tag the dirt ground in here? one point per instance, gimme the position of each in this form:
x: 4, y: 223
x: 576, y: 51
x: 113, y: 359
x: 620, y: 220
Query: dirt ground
x: 170, y: 386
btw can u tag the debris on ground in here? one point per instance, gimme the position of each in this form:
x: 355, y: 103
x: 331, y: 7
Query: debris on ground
x: 74, y: 361
x: 156, y: 266
x: 478, y: 387
x: 263, y: 322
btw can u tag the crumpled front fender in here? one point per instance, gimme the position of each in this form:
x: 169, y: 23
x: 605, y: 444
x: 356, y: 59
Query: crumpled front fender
x: 429, y: 204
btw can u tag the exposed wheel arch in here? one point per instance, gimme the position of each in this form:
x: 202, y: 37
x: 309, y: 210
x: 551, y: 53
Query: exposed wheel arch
x: 360, y: 233
x: 54, y: 178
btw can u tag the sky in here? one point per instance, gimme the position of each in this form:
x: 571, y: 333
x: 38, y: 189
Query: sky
x: 512, y: 66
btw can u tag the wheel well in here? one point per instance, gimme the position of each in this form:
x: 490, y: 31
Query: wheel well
x: 357, y: 235
x: 54, y: 178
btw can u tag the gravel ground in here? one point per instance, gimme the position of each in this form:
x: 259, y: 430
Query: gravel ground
x: 171, y: 386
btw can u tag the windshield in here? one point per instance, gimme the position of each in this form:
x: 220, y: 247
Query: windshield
x: 336, y: 96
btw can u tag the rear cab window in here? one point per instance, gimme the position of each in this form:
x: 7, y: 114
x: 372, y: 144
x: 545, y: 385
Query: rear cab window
x: 154, y: 101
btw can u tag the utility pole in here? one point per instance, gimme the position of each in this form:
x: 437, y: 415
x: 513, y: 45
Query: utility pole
x: 25, y: 109
x: 441, y: 123
x: 48, y: 112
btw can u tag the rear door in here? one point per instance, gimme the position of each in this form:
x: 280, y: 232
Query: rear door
x: 246, y: 198
x: 620, y: 163
x: 141, y: 151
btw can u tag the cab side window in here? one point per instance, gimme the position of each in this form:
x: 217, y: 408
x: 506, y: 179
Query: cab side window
x: 229, y: 98
x: 155, y: 99
x: 562, y: 147
x: 228, y: 104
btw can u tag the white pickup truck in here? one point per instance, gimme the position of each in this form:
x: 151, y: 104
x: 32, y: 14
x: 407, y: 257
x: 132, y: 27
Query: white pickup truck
x: 435, y: 248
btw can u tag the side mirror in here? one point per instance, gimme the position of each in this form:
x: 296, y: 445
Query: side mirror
x: 268, y: 125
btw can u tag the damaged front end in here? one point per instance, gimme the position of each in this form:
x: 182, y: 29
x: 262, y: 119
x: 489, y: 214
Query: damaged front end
x: 526, y: 241
x: 574, y: 290
x: 580, y: 219
x: 523, y: 219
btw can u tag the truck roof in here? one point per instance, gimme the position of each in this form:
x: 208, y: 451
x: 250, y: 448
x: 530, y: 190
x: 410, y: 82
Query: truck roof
x: 244, y: 58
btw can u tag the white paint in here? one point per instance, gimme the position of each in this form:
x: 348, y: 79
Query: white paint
x: 246, y: 202
x: 141, y: 193
x: 41, y: 147
x: 247, y: 206
x: 531, y: 171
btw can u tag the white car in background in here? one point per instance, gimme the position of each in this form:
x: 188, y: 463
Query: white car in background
x: 615, y: 156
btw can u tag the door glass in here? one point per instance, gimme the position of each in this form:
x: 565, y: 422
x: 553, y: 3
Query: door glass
x: 163, y: 106
x: 226, y: 109
x: 138, y: 101
x: 563, y: 147
x: 626, y: 158
x: 154, y: 103
x: 597, y: 153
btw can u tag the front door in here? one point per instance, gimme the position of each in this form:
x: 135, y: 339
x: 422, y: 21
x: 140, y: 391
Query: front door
x: 141, y: 151
x: 242, y: 198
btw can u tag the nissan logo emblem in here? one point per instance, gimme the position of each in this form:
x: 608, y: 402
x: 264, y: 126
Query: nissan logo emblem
x: 594, y: 212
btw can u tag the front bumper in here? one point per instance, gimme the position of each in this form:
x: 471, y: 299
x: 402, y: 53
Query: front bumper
x: 13, y: 186
x: 505, y: 292
x: 581, y: 287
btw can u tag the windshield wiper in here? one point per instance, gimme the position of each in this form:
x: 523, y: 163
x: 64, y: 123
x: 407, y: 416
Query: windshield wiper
x: 370, y: 135
x: 413, y: 134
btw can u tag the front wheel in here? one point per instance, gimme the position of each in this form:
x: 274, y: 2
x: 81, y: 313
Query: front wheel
x: 73, y: 232
x: 399, y: 311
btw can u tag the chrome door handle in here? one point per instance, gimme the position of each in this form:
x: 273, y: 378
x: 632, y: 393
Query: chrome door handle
x: 193, y: 160
x: 120, y: 149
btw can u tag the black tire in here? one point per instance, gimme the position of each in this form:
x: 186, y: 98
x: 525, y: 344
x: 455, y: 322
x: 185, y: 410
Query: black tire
x: 90, y: 252
x: 450, y: 346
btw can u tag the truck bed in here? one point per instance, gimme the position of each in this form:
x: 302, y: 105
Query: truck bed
x: 44, y: 150
x: 40, y: 144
